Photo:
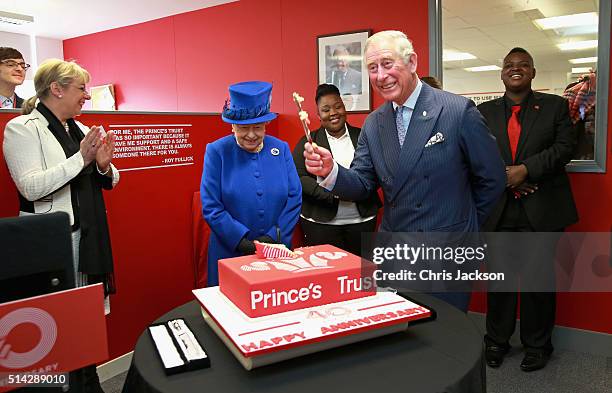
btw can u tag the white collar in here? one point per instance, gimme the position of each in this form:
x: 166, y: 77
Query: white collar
x: 411, y: 101
x: 346, y: 133
x: 3, y: 99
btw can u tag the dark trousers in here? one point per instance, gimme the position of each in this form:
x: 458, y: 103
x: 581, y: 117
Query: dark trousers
x: 537, y: 309
x: 346, y: 237
x: 537, y: 318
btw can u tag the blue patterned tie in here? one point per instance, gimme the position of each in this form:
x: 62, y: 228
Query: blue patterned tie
x: 399, y: 123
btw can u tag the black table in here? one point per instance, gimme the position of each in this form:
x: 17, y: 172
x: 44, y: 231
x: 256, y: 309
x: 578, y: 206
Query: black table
x: 444, y: 355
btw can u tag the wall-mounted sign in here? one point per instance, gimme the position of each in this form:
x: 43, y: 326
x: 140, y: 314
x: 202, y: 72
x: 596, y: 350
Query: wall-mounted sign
x: 148, y: 146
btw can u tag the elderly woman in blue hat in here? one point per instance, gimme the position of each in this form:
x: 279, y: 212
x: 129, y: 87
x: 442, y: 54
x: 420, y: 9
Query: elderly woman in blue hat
x: 250, y: 188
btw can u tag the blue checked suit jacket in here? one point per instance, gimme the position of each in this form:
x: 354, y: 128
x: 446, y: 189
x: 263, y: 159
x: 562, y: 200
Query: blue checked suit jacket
x: 449, y: 186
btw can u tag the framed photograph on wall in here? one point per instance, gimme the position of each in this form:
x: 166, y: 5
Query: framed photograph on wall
x: 103, y: 98
x: 340, y: 62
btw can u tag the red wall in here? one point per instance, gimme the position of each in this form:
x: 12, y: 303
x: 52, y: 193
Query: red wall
x: 140, y: 59
x: 185, y: 63
x: 9, y: 204
x: 198, y: 54
x: 593, y: 193
x: 303, y: 21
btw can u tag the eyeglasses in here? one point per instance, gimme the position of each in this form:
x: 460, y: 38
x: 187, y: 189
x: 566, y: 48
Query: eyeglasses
x: 14, y: 64
x: 83, y: 88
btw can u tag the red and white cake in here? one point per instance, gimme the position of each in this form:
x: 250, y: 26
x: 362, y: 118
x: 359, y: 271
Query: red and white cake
x: 311, y: 277
x: 271, y: 309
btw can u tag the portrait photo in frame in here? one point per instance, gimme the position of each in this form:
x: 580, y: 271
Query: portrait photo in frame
x: 340, y: 62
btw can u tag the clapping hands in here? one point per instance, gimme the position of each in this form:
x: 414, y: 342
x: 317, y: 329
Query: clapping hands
x: 98, y: 145
x: 104, y: 155
x: 90, y: 144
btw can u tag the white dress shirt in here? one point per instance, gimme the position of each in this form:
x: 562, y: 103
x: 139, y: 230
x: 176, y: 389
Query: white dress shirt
x: 7, y: 102
x: 343, y: 151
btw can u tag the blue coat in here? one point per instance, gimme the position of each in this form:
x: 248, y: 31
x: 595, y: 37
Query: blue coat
x: 450, y: 186
x: 249, y: 194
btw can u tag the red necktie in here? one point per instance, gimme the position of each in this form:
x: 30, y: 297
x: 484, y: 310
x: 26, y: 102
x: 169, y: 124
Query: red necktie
x: 514, y: 130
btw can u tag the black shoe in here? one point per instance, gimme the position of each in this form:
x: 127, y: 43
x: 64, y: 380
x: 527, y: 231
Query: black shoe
x: 494, y: 354
x: 534, y: 361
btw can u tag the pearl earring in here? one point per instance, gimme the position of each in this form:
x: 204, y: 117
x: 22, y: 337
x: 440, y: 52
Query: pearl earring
x: 60, y: 96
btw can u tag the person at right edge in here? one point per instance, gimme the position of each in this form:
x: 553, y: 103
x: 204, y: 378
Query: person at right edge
x: 536, y: 140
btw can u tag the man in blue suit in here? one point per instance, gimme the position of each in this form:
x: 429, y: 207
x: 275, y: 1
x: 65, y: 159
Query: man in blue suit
x: 429, y: 150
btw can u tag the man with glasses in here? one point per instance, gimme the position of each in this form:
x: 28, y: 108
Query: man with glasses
x: 12, y: 73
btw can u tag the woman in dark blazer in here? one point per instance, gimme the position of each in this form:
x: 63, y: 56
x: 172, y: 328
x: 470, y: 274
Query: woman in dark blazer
x: 325, y: 219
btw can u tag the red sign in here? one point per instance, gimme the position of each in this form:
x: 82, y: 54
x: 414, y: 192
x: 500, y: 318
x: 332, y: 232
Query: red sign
x: 53, y: 333
x: 316, y: 275
x: 141, y: 146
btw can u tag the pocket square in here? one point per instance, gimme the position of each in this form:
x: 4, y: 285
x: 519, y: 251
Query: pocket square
x: 435, y: 139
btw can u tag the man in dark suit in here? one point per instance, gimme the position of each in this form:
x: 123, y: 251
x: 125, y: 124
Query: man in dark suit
x: 429, y: 150
x: 536, y: 140
x: 325, y: 218
x: 12, y: 74
x: 345, y: 78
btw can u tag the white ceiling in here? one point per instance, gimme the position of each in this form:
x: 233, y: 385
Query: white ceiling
x: 63, y: 19
x: 488, y: 29
x: 485, y: 28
